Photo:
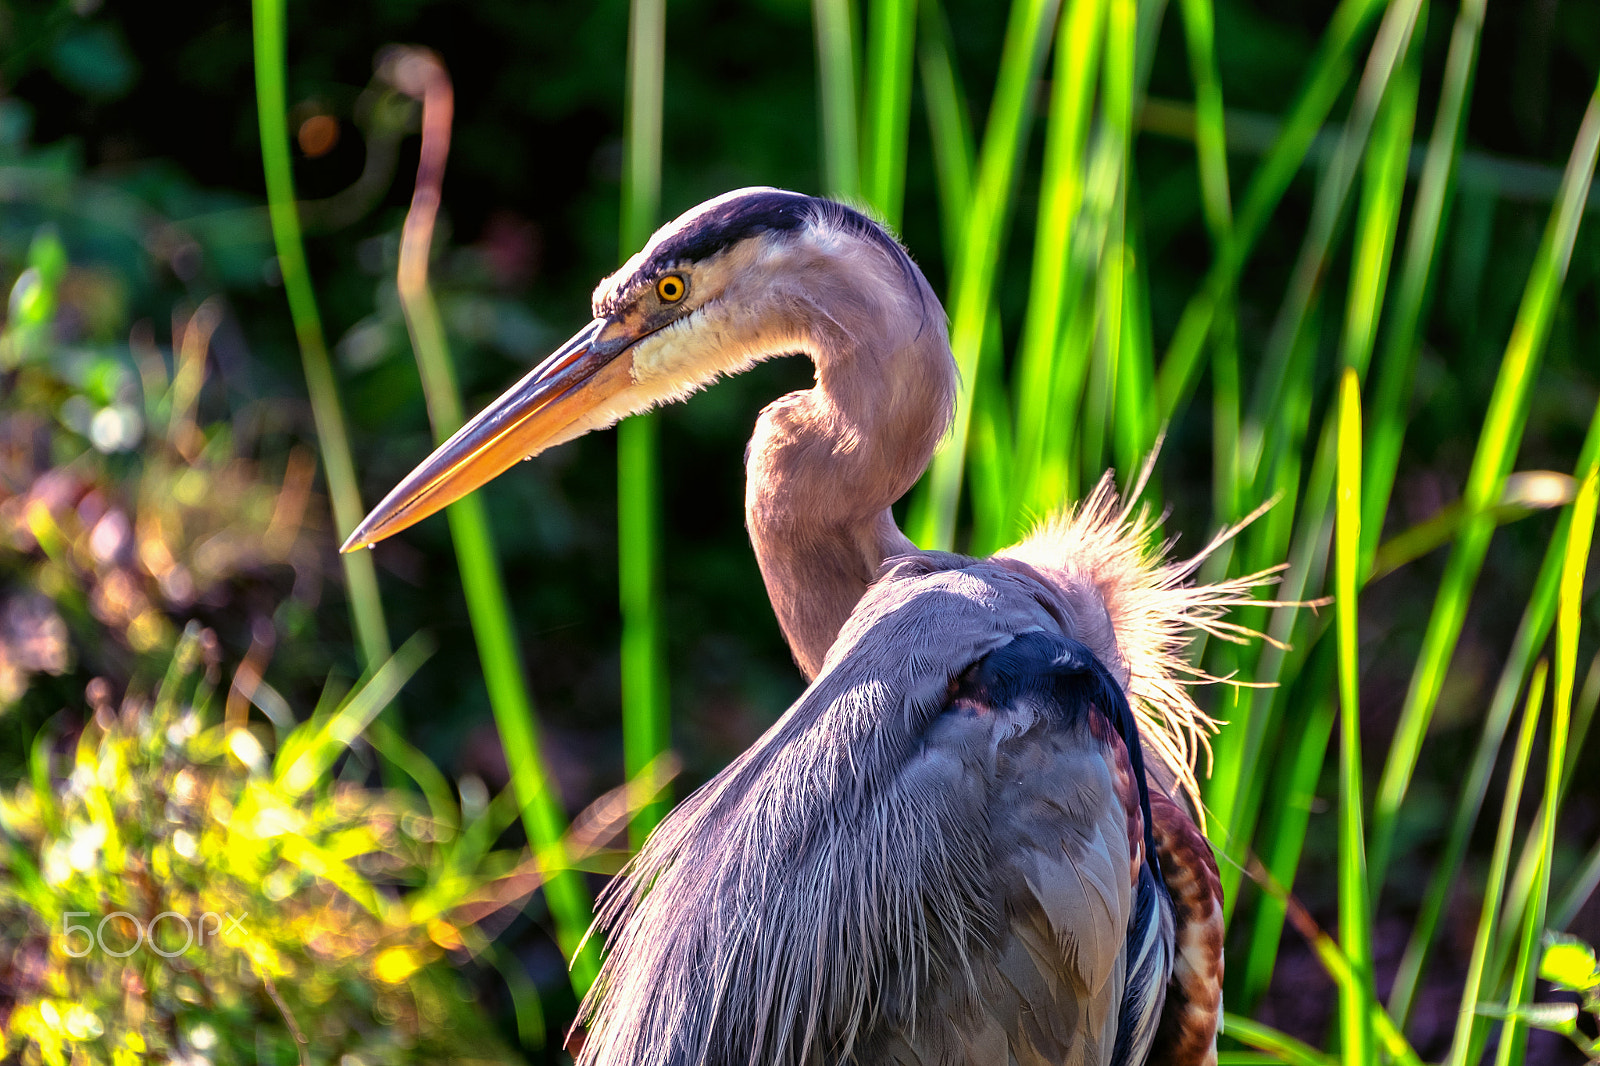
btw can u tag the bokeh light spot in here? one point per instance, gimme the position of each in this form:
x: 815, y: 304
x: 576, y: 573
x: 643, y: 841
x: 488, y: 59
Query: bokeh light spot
x: 318, y: 135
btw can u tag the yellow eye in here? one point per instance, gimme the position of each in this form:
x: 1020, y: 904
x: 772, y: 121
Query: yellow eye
x: 671, y: 288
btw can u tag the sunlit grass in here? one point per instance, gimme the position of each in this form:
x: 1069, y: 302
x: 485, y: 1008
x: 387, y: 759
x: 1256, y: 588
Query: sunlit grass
x: 181, y: 881
x: 1357, y: 1042
x: 1086, y: 371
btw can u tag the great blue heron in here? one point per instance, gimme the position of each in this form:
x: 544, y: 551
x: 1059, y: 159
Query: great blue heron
x: 946, y: 852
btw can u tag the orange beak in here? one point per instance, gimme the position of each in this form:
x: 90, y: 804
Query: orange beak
x: 582, y: 373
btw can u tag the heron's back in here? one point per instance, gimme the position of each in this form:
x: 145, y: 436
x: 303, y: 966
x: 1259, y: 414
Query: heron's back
x: 938, y: 856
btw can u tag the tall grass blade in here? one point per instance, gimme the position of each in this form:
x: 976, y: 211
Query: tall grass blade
x: 1227, y: 395
x: 991, y: 451
x: 641, y: 168
x: 1258, y: 432
x: 1579, y: 543
x: 1497, y: 446
x: 1134, y: 427
x: 1236, y: 786
x: 333, y: 440
x: 990, y: 459
x: 1358, y: 1041
x: 1279, y: 1045
x: 1530, y: 637
x: 1054, y: 284
x: 1211, y: 153
x: 1513, y: 1037
x: 1383, y: 184
x: 891, y: 32
x: 1498, y: 862
x: 1583, y: 710
x: 1329, y: 72
x: 646, y: 709
x: 1027, y: 40
x: 1428, y: 215
x: 419, y: 73
x: 1283, y: 840
x: 949, y: 127
x: 1210, y: 128
x: 1148, y: 18
x: 1106, y: 199
x: 1584, y: 882
x: 835, y: 22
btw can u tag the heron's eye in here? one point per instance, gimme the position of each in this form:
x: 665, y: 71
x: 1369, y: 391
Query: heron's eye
x: 671, y: 288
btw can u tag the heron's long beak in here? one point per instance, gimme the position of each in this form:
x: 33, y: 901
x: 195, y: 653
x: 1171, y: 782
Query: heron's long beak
x: 582, y: 373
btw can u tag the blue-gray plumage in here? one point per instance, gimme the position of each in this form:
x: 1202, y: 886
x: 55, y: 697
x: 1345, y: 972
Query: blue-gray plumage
x: 939, y: 854
x: 966, y: 843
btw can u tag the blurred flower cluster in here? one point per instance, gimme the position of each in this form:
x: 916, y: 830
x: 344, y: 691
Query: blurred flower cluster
x: 180, y: 888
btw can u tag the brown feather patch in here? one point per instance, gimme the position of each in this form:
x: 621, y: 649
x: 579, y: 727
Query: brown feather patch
x: 1187, y: 1034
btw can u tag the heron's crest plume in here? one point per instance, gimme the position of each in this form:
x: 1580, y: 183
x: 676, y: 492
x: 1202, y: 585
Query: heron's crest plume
x: 1138, y: 610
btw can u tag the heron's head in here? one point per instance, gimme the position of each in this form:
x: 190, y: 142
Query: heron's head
x: 751, y: 274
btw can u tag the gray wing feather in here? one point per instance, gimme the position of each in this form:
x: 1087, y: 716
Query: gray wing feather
x: 885, y: 877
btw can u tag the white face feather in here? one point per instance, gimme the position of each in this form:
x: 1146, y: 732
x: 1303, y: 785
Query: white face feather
x: 730, y: 323
x: 734, y: 319
x: 775, y: 293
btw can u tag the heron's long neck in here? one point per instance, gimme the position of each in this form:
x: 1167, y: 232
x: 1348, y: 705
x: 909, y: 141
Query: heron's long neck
x: 826, y: 463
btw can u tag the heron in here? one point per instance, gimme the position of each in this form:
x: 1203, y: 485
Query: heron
x: 973, y: 839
